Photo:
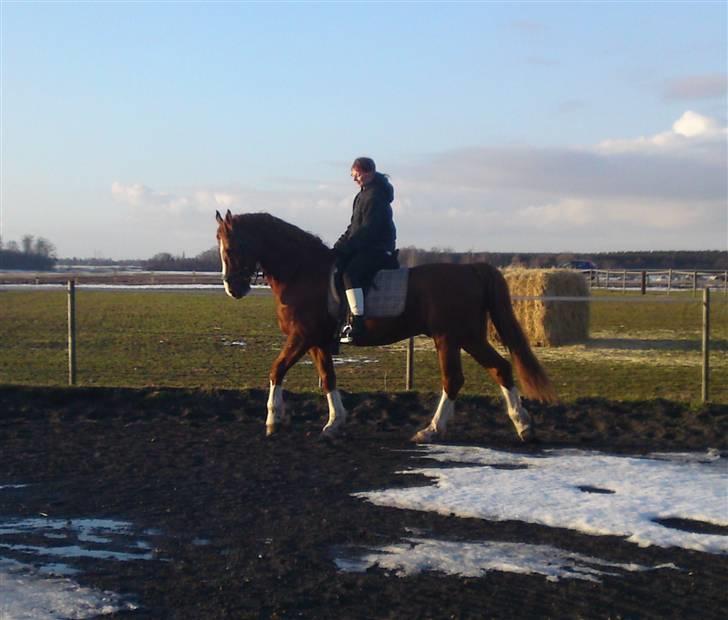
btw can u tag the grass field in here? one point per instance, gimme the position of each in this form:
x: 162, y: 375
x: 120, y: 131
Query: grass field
x: 636, y: 351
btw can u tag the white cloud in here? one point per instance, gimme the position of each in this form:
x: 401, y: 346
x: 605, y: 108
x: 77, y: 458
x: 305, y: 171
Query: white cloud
x: 692, y: 131
x: 665, y: 191
x: 138, y: 195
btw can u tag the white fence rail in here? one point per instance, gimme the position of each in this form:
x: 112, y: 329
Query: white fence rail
x: 663, y: 280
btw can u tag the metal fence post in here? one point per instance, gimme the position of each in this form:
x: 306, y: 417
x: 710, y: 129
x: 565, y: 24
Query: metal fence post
x: 71, y: 332
x: 705, y: 392
x: 409, y: 378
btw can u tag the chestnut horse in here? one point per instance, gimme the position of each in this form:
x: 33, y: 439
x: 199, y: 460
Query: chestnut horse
x: 448, y: 302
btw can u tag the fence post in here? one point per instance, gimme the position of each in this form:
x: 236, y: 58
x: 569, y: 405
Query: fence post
x: 705, y: 392
x: 71, y: 332
x: 409, y: 379
x: 644, y: 282
x: 669, y: 280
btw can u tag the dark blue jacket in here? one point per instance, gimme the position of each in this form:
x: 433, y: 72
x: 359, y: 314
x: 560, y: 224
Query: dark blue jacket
x: 372, y: 226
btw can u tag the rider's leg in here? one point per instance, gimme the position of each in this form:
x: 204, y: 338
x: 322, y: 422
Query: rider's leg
x: 355, y: 274
x: 355, y: 297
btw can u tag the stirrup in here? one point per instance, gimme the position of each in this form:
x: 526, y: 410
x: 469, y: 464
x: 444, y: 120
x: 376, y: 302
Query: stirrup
x: 354, y: 331
x: 346, y: 337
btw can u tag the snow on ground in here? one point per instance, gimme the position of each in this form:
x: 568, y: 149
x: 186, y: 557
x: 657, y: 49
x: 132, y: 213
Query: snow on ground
x: 472, y: 559
x: 28, y: 594
x: 590, y: 492
x: 34, y: 578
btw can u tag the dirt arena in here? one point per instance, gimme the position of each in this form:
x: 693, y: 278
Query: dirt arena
x: 241, y: 526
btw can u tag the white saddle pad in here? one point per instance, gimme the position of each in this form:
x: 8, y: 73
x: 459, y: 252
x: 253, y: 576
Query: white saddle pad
x: 385, y: 297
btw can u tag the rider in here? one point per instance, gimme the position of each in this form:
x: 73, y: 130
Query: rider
x: 368, y: 243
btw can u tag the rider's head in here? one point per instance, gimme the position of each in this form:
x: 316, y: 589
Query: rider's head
x: 363, y: 170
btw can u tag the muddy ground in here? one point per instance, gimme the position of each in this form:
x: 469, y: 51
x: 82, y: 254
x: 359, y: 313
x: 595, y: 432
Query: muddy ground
x: 247, y: 527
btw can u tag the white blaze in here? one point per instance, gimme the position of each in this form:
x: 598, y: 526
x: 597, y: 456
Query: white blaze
x: 224, y: 270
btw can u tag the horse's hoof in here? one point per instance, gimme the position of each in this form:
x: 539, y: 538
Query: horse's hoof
x: 426, y: 435
x: 527, y: 434
x: 330, y: 433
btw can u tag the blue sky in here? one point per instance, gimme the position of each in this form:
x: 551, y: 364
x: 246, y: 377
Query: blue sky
x: 504, y: 126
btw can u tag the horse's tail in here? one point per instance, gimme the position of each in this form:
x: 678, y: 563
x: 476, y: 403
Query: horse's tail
x: 534, y: 382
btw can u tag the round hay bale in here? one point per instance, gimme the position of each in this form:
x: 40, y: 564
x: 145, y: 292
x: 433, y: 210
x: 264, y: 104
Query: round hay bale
x: 549, y: 323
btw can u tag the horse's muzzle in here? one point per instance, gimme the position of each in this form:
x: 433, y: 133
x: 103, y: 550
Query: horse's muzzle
x: 237, y: 288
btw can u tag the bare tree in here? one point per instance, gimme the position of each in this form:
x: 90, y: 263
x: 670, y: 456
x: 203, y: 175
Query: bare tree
x: 43, y: 247
x: 27, y: 243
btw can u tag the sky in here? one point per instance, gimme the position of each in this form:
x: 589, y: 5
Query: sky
x: 587, y: 492
x: 504, y: 127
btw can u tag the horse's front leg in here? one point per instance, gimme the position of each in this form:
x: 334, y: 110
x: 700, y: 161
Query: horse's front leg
x: 337, y: 412
x: 451, y: 371
x: 291, y: 353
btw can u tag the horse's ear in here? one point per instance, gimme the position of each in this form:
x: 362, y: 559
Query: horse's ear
x: 218, y: 217
x: 229, y: 218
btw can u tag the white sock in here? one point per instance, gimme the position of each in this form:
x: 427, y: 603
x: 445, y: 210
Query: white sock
x: 355, y: 297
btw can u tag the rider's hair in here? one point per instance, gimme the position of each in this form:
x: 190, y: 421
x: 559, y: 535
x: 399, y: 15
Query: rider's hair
x: 365, y: 164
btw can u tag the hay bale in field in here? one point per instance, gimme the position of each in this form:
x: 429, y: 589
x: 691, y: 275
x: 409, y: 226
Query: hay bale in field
x: 549, y: 323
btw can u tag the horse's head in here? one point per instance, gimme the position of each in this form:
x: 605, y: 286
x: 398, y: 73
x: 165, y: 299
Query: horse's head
x: 238, y: 263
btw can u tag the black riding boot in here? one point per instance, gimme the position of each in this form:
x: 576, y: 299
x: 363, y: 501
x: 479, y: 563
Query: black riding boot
x: 354, y: 331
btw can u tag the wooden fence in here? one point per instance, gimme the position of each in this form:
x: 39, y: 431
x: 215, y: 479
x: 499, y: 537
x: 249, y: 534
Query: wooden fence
x: 409, y: 363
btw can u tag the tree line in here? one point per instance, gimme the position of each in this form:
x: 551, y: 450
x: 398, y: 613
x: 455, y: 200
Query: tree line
x: 411, y: 256
x: 35, y: 253
x: 683, y: 259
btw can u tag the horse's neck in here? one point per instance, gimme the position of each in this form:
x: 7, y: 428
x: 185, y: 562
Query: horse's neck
x: 283, y: 257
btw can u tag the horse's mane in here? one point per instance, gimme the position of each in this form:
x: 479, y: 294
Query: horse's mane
x: 286, y: 243
x: 291, y: 232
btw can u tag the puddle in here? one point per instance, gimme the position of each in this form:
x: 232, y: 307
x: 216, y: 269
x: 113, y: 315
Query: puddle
x: 40, y: 555
x: 101, y: 539
x: 339, y: 360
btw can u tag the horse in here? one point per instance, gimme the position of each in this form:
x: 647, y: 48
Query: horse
x: 450, y: 303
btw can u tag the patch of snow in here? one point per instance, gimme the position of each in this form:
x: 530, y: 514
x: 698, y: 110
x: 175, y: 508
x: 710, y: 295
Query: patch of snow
x: 552, y: 489
x: 25, y: 594
x: 472, y: 559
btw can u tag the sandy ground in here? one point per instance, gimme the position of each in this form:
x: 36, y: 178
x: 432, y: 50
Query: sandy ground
x: 247, y: 527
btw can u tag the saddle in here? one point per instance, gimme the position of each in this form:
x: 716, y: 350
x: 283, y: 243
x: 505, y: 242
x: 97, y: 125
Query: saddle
x: 384, y: 297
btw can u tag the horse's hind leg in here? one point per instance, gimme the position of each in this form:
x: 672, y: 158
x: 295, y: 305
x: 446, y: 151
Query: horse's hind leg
x: 502, y: 373
x: 337, y: 412
x: 451, y: 371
